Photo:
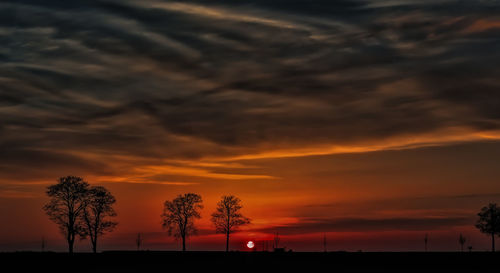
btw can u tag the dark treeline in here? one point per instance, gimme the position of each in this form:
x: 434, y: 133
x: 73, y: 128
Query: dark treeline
x: 84, y: 211
x: 80, y: 210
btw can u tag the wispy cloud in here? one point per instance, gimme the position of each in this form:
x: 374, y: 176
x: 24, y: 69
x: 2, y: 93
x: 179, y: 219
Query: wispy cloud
x: 218, y: 82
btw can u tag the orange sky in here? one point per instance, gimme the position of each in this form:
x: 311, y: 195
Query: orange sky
x: 373, y: 122
x: 384, y: 200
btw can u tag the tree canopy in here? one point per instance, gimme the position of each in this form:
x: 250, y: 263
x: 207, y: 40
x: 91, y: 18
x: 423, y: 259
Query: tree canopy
x: 489, y: 222
x: 179, y: 215
x: 227, y: 217
x: 67, y: 202
x: 98, y: 208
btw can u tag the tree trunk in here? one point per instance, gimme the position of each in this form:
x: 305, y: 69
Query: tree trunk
x: 227, y: 242
x: 183, y: 243
x: 70, y: 244
x: 94, y: 245
x: 71, y: 231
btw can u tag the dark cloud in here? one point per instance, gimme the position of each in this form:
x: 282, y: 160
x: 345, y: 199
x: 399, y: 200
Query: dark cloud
x: 150, y: 78
x: 306, y: 226
x: 429, y: 206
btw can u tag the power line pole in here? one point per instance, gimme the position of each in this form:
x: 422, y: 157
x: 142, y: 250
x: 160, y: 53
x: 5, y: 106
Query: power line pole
x: 43, y: 244
x: 324, y: 243
x: 426, y: 239
x: 138, y: 241
x: 276, y: 240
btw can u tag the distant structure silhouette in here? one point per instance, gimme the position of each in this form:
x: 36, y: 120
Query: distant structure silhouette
x: 324, y: 243
x: 461, y: 241
x: 489, y: 222
x: 276, y: 243
x: 426, y: 240
x: 43, y: 244
x: 179, y: 215
x: 67, y: 202
x: 138, y: 241
x: 227, y: 217
x: 279, y: 249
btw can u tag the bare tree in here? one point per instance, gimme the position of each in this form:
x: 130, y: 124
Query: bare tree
x: 179, y: 215
x: 489, y: 222
x: 227, y: 217
x: 98, y: 208
x: 66, y: 205
x: 461, y: 241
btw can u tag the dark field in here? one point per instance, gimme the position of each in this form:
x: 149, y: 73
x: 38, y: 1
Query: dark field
x: 247, y: 261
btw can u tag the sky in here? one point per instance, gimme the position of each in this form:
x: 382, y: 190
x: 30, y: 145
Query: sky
x: 368, y: 122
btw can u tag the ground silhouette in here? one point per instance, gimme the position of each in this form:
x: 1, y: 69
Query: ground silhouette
x: 145, y: 261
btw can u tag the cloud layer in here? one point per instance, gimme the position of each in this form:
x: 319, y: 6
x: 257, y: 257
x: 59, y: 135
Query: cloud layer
x: 87, y: 83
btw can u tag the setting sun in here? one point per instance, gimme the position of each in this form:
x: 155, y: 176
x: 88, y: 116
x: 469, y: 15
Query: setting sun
x: 250, y: 244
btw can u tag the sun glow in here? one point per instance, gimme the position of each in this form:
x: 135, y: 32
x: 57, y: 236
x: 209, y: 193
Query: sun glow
x: 250, y: 244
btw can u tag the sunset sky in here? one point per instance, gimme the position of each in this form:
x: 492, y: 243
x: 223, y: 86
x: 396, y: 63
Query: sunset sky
x: 372, y: 122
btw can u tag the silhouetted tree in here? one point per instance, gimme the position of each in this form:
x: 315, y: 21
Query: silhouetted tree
x: 489, y: 222
x: 98, y: 207
x: 461, y: 241
x: 227, y: 217
x: 66, y: 205
x: 179, y: 215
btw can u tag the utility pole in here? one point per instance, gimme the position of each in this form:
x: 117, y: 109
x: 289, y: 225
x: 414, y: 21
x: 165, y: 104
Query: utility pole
x: 461, y: 241
x: 276, y: 240
x: 138, y: 241
x: 43, y: 244
x: 426, y: 239
x: 324, y: 242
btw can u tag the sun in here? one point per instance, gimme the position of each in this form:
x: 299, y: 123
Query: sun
x: 250, y: 244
